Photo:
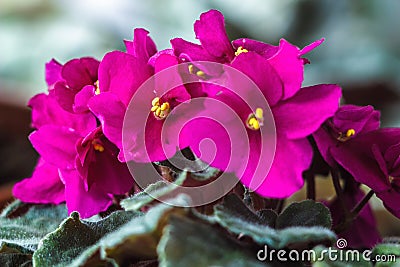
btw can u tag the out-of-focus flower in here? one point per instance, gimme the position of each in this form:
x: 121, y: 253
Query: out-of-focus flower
x: 348, y: 122
x: 365, y: 221
x: 371, y: 155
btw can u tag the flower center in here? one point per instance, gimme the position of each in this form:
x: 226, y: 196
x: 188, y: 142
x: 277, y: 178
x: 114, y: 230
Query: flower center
x: 241, y: 50
x: 255, y: 120
x: 199, y: 73
x: 97, y: 90
x: 97, y: 146
x: 160, y: 111
x: 343, y: 137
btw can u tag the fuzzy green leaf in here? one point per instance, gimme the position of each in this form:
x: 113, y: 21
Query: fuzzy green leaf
x: 10, y: 257
x: 242, y: 221
x: 138, y: 239
x: 305, y: 213
x: 22, y: 226
x: 189, y: 243
x: 160, y: 189
x: 74, y: 237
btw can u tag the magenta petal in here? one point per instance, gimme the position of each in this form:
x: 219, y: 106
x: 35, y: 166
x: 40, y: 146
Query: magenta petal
x: 86, y: 203
x: 80, y: 72
x: 110, y: 111
x: 325, y: 141
x: 312, y: 46
x: 262, y: 73
x: 392, y: 157
x: 110, y: 174
x: 263, y: 49
x: 168, y: 82
x: 56, y: 145
x: 44, y: 186
x: 65, y: 96
x: 82, y: 98
x: 122, y: 74
x: 305, y: 112
x: 289, y: 66
x: 391, y: 200
x: 210, y: 30
x: 292, y: 157
x: 217, y: 152
x: 142, y: 46
x: 190, y: 51
x: 361, y: 167
x: 53, y: 72
x: 360, y: 118
x: 47, y: 111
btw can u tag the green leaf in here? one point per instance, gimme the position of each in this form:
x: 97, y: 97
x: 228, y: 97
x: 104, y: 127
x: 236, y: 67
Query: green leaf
x: 268, y: 217
x: 190, y: 243
x: 74, y: 237
x: 138, y: 239
x: 233, y: 206
x: 305, y: 213
x: 237, y: 218
x: 22, y: 226
x: 160, y: 189
x: 324, y: 259
x: 192, y: 165
x: 304, y: 235
x: 10, y: 257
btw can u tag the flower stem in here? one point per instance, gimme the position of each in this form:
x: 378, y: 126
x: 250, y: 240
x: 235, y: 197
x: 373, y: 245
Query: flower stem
x: 339, y: 190
x: 354, y: 213
x: 310, y: 178
x: 357, y: 209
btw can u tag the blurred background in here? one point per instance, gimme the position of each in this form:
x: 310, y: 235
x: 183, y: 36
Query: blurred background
x: 361, y: 51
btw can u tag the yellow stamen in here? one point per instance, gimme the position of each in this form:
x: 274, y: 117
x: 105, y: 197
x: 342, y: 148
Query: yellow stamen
x: 343, y: 137
x: 241, y: 50
x: 97, y: 86
x: 350, y: 133
x: 160, y: 111
x: 97, y: 146
x: 191, y: 69
x: 164, y: 106
x: 259, y: 114
x: 391, y: 179
x: 155, y: 101
x: 201, y: 74
x: 255, y: 120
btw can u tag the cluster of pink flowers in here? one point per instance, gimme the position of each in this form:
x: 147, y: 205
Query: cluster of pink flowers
x: 79, y: 121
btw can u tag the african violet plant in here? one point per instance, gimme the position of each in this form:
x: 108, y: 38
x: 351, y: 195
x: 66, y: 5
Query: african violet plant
x: 185, y: 156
